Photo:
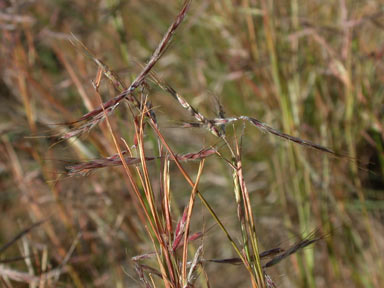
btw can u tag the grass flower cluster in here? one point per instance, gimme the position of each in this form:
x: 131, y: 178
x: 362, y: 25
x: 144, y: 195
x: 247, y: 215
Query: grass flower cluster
x: 156, y: 185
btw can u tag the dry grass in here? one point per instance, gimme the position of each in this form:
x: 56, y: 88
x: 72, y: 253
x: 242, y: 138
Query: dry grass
x: 191, y: 194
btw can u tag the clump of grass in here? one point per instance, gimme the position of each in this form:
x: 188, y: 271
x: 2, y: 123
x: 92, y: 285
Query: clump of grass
x: 171, y: 269
x: 154, y: 213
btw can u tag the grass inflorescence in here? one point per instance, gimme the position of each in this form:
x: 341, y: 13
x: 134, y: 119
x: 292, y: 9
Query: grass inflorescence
x: 298, y: 205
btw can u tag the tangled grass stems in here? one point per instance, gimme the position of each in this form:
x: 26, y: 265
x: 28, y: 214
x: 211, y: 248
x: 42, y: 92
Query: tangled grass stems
x: 169, y: 269
x: 308, y: 78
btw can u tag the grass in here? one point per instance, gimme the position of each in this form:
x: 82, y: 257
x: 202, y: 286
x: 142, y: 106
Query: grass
x: 170, y: 183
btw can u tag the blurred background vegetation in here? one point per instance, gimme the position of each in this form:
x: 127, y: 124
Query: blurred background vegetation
x: 313, y: 69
